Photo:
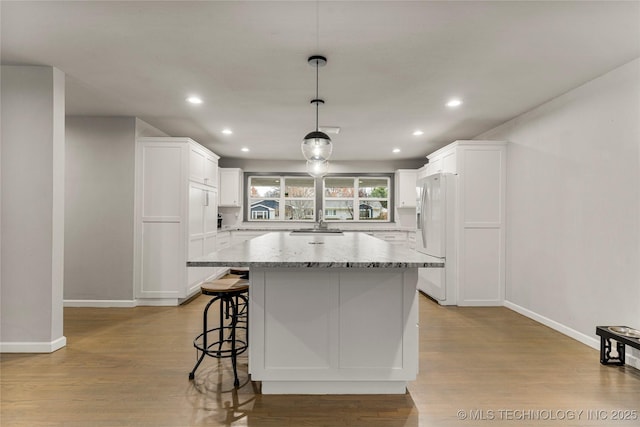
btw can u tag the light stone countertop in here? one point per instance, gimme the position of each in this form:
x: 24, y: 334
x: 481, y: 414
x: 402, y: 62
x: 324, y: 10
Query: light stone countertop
x: 351, y: 250
x: 345, y: 228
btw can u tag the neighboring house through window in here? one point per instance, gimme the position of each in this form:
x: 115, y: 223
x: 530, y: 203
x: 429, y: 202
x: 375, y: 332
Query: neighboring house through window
x: 340, y: 197
x: 369, y: 193
x: 281, y: 198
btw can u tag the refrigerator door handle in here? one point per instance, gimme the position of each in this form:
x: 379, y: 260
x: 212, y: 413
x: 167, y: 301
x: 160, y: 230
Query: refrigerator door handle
x: 423, y: 214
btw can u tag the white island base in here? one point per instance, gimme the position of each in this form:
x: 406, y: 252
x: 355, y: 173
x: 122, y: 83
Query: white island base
x: 316, y: 330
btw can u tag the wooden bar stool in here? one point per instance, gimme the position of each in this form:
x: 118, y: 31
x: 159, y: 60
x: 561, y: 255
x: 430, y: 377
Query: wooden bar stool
x: 240, y: 271
x: 222, y: 341
x: 243, y: 273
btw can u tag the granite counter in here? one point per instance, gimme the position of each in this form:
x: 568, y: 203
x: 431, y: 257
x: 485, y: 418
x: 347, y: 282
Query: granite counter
x: 349, y: 250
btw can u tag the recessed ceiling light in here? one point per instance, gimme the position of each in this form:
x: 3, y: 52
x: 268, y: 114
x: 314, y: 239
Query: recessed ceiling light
x: 245, y: 149
x: 227, y: 131
x: 417, y: 133
x: 454, y: 103
x: 194, y: 100
x: 396, y: 150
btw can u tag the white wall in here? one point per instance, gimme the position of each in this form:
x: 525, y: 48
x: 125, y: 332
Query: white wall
x: 32, y: 229
x: 145, y: 129
x: 99, y: 199
x: 100, y: 209
x: 573, y: 206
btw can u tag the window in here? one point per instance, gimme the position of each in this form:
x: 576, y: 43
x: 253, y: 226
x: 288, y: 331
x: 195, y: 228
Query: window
x: 298, y: 197
x: 341, y: 196
x: 281, y: 198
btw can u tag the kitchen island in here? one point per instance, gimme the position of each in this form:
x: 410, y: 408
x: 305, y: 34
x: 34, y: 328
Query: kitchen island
x: 329, y: 314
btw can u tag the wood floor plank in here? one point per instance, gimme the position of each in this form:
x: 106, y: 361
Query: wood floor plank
x: 129, y: 367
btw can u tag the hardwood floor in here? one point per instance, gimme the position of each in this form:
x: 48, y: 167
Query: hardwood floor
x: 129, y: 367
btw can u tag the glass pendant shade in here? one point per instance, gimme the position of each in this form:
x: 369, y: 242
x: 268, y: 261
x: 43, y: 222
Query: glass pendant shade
x: 317, y: 168
x: 317, y: 146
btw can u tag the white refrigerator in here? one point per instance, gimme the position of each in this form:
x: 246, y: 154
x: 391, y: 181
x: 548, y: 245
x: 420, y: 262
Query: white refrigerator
x: 435, y: 235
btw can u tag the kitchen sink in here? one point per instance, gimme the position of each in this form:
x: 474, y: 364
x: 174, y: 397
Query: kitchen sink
x: 317, y: 232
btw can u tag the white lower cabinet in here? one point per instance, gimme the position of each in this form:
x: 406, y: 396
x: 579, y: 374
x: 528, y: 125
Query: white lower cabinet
x: 175, y: 219
x: 393, y: 237
x: 203, y: 229
x: 333, y: 330
x: 224, y: 240
x: 411, y: 239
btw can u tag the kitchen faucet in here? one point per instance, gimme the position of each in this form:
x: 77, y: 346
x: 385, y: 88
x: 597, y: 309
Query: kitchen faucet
x: 320, y: 224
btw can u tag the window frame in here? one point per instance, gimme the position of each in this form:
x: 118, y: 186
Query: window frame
x: 358, y: 200
x: 282, y: 198
x: 319, y: 198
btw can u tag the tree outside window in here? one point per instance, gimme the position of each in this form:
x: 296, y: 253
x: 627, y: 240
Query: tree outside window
x: 341, y: 198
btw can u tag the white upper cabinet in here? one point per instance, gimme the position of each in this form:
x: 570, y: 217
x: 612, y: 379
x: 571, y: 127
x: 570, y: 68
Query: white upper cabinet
x: 230, y: 187
x: 405, y: 187
x: 203, y: 165
x: 422, y: 172
x: 211, y: 170
x: 434, y: 166
x: 442, y: 161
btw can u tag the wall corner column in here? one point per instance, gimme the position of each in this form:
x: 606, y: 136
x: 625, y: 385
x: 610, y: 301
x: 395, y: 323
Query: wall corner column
x: 32, y: 165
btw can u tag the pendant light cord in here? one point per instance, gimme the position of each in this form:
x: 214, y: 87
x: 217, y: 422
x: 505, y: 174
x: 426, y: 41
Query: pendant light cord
x: 317, y: 102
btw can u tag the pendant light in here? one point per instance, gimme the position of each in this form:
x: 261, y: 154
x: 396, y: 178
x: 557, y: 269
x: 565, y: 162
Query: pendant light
x: 317, y: 168
x: 316, y: 146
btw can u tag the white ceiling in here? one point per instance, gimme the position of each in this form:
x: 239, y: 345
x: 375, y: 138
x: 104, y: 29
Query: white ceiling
x: 391, y: 67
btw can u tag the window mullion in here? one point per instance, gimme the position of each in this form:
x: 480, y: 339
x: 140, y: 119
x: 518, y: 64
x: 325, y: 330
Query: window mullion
x: 319, y: 198
x: 283, y: 201
x: 356, y: 201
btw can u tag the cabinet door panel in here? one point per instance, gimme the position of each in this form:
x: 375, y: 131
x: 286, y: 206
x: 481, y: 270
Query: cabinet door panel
x: 196, y: 250
x: 435, y: 165
x: 449, y: 162
x: 210, y: 211
x: 482, y: 187
x: 196, y: 164
x: 230, y: 188
x: 406, y: 189
x: 196, y: 211
x: 161, y: 260
x: 360, y: 347
x: 161, y: 185
x: 211, y: 171
x: 482, y: 267
x: 195, y: 247
x: 209, y: 244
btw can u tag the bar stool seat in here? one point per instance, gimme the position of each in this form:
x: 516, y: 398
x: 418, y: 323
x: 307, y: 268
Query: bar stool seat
x: 240, y: 271
x: 222, y: 341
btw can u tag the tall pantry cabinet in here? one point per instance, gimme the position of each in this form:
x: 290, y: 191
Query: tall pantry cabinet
x: 478, y: 276
x: 175, y: 218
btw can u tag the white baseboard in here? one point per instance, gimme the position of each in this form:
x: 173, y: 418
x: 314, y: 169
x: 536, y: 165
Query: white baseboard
x: 99, y: 303
x: 572, y: 333
x: 155, y: 302
x: 33, y: 347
